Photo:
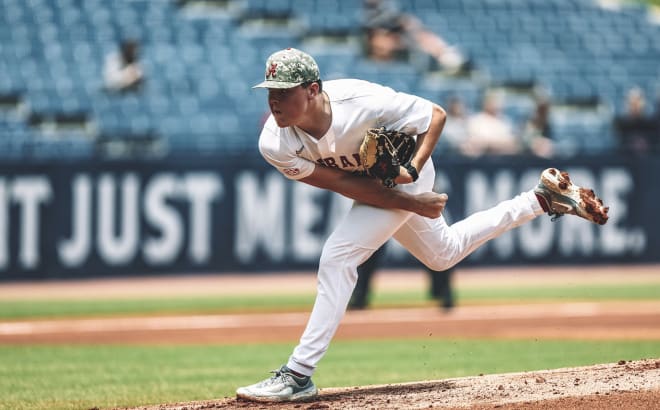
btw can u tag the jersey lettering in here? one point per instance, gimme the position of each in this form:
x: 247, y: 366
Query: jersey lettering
x: 330, y: 162
x: 345, y: 162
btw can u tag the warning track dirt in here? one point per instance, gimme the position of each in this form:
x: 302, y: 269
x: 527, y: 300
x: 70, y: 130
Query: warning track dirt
x: 586, y: 320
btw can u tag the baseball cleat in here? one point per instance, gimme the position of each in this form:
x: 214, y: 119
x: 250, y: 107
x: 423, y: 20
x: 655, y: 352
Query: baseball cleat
x: 558, y: 196
x: 282, y: 386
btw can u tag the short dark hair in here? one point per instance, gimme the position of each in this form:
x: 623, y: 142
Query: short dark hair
x: 308, y: 83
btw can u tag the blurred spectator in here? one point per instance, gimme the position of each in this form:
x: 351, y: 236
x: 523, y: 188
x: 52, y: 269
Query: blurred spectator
x: 440, y: 283
x: 637, y: 131
x: 537, y: 132
x: 455, y: 131
x: 489, y: 131
x: 122, y: 71
x: 392, y: 34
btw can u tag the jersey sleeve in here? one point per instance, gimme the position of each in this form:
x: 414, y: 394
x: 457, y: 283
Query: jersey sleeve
x: 281, y: 154
x: 404, y: 112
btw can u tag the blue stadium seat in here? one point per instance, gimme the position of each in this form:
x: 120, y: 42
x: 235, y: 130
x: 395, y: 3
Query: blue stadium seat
x: 200, y: 70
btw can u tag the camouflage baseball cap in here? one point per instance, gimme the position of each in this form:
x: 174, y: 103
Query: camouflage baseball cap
x: 288, y: 68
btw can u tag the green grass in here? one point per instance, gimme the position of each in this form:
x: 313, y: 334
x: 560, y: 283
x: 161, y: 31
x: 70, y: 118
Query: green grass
x: 19, y: 309
x: 82, y: 377
x: 591, y: 292
x: 22, y: 309
x: 531, y: 294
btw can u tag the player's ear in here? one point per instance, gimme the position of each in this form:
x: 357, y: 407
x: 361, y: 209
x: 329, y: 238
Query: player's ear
x: 313, y: 89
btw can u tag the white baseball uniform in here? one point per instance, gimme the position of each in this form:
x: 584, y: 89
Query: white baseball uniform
x: 356, y: 106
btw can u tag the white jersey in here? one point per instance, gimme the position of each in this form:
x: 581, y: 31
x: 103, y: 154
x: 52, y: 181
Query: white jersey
x: 356, y: 106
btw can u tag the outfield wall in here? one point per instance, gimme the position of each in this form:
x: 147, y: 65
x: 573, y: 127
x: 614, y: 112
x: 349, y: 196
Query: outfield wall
x: 209, y: 215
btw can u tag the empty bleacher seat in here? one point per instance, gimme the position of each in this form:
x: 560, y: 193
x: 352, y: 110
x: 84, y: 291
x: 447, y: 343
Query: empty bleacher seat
x: 199, y: 71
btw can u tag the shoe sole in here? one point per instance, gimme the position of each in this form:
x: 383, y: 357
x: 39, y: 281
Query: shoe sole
x: 586, y: 203
x: 302, y: 396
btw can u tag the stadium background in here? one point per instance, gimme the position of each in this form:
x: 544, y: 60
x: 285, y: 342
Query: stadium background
x: 168, y: 179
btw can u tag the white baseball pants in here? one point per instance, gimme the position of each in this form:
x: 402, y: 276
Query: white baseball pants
x: 365, y: 229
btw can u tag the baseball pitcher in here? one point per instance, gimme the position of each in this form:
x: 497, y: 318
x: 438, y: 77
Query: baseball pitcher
x: 373, y: 145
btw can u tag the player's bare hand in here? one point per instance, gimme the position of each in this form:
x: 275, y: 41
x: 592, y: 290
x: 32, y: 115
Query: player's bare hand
x: 431, y: 204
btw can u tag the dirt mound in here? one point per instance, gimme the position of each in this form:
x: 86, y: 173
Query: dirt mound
x: 622, y: 385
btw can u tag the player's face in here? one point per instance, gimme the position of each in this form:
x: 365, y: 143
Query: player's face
x: 288, y: 105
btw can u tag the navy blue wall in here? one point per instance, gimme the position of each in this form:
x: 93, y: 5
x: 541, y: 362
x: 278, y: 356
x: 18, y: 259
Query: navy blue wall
x: 93, y: 219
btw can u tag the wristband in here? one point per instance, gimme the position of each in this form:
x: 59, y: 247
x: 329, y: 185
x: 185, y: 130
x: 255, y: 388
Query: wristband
x: 412, y: 171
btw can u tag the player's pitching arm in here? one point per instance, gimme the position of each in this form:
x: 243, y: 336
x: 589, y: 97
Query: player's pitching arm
x: 371, y: 191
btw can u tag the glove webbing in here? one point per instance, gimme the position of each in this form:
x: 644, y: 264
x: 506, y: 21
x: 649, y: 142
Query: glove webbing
x: 394, y: 151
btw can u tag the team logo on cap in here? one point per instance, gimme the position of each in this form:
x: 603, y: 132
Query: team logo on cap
x: 271, y: 72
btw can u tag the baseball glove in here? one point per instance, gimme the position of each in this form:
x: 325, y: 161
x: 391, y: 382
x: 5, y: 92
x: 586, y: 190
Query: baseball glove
x: 383, y: 151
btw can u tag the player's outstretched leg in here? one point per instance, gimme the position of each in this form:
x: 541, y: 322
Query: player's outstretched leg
x: 284, y: 385
x: 558, y: 196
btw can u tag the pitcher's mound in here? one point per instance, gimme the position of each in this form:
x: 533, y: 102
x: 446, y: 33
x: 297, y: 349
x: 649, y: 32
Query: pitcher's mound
x: 622, y: 385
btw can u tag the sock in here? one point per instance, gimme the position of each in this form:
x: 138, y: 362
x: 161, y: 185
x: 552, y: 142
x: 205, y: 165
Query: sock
x: 543, y: 203
x: 538, y: 203
x: 299, y: 377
